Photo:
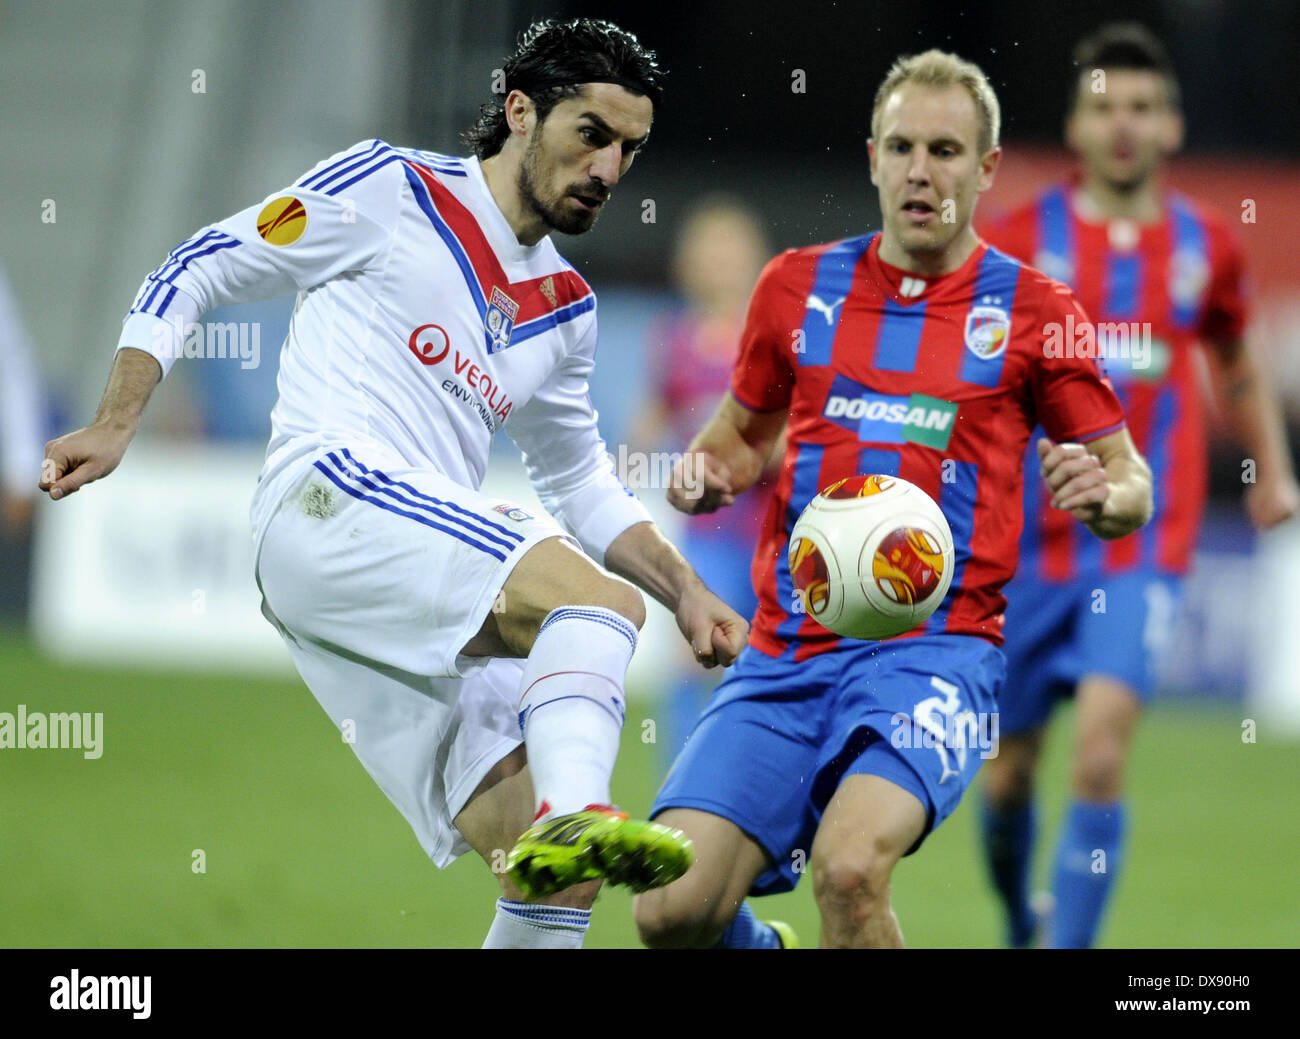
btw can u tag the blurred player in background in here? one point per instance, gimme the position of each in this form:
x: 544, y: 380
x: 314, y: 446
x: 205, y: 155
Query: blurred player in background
x: 1159, y: 274
x: 21, y: 437
x: 811, y: 749
x: 433, y: 312
x: 720, y: 251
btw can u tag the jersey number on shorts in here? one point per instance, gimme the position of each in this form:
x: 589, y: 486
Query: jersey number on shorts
x: 952, y: 729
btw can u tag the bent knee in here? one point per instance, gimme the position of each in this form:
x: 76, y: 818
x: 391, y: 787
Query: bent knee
x: 1099, y: 772
x: 666, y: 920
x: 623, y: 599
x: 554, y: 574
x: 1009, y: 776
x: 1009, y: 782
x: 853, y: 878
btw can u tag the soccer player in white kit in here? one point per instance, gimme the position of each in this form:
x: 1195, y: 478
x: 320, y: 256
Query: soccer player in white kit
x: 477, y: 654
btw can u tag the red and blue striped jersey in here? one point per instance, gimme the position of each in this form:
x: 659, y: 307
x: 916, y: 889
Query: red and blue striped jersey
x: 937, y: 380
x: 1176, y: 283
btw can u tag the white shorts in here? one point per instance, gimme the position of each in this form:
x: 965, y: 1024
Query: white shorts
x: 377, y: 574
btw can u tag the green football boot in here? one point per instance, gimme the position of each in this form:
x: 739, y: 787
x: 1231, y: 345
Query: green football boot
x: 598, y: 843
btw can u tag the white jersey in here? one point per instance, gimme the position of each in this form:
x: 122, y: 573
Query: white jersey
x: 421, y: 325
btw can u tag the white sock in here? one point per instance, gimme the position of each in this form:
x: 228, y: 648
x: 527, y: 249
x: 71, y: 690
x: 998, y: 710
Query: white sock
x: 572, y: 707
x: 529, y: 925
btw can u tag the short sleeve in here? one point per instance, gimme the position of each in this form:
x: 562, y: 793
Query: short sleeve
x: 763, y: 379
x: 1072, y: 396
x: 1226, y: 310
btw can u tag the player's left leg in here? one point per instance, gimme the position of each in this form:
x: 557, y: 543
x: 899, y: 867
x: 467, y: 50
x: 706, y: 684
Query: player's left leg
x: 697, y: 910
x: 376, y: 603
x: 498, y: 811
x: 405, y: 567
x: 1090, y: 853
x: 868, y: 826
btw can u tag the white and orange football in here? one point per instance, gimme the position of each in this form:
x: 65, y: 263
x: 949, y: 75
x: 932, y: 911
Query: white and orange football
x: 871, y: 557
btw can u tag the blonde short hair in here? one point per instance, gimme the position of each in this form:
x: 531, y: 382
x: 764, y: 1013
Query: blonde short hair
x: 936, y: 68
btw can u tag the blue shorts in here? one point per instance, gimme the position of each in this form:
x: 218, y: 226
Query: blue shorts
x: 1098, y: 624
x: 778, y: 736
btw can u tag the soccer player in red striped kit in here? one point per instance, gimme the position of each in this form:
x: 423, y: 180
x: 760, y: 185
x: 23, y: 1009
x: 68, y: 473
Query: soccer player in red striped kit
x: 1161, y: 276
x: 916, y: 352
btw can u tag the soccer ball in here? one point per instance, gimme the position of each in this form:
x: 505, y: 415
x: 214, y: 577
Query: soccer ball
x: 871, y: 557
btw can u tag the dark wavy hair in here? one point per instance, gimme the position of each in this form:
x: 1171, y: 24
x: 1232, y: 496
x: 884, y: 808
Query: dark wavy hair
x: 1124, y: 45
x: 551, y: 62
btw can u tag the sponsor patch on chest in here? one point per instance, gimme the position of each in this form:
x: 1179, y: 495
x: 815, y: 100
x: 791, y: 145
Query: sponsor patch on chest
x: 883, y: 418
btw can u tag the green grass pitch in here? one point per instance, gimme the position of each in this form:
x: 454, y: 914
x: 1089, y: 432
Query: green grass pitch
x: 303, y: 850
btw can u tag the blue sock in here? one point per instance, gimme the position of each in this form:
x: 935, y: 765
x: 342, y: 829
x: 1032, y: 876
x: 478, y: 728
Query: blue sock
x: 1086, y: 863
x: 748, y: 932
x: 1008, y: 848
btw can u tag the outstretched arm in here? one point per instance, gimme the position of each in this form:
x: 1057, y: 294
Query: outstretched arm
x: 95, y: 451
x: 238, y: 260
x: 642, y: 554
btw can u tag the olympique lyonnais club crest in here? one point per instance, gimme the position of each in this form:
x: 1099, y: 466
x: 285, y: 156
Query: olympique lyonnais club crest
x: 500, y: 320
x: 986, y: 331
x: 514, y: 512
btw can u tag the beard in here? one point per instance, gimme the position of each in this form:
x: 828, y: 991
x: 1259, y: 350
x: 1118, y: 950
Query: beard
x: 551, y: 208
x: 1133, y: 179
x: 1127, y: 185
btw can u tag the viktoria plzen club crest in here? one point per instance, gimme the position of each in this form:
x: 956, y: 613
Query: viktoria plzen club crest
x: 986, y: 330
x: 499, y: 320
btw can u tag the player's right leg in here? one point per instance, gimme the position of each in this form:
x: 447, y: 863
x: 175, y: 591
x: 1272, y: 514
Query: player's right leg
x: 493, y: 819
x: 577, y: 626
